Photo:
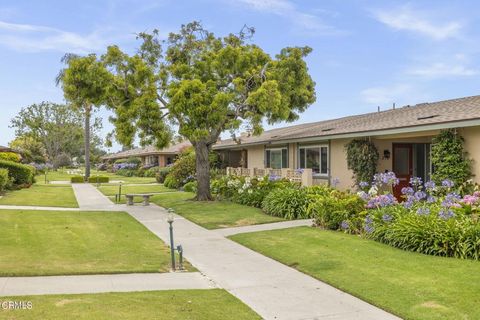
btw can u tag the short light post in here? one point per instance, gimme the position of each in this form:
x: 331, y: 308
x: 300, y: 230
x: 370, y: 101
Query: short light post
x: 46, y: 170
x: 170, y: 219
x: 119, y: 195
x: 98, y: 181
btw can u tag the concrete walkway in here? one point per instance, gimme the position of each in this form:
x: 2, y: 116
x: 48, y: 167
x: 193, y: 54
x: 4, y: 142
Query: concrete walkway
x: 266, y: 226
x: 89, y: 198
x: 14, y: 286
x: 8, y: 207
x: 272, y: 289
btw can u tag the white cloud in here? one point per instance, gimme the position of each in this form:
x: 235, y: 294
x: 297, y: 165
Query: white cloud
x: 441, y: 70
x: 408, y: 19
x: 386, y: 95
x: 34, y: 38
x: 287, y: 9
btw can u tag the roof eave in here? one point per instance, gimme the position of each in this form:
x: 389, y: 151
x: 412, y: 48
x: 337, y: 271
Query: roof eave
x: 358, y: 134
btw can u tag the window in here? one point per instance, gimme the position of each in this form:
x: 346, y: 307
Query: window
x: 276, y: 158
x: 315, y: 158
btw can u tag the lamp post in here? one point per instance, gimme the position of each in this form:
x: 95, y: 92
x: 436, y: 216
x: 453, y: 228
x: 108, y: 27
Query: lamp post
x: 170, y: 219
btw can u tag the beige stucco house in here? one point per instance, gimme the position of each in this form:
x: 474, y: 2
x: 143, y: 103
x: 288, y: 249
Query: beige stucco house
x: 151, y: 155
x: 402, y: 137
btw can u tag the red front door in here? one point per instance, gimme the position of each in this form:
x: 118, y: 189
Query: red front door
x: 402, y: 159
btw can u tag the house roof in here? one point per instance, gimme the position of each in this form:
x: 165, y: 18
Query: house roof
x: 149, y: 150
x: 5, y: 149
x: 424, y: 116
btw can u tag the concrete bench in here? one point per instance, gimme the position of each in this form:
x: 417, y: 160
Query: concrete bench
x: 146, y: 198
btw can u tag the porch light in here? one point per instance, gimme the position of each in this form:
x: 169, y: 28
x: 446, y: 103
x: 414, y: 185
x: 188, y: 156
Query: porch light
x: 386, y: 154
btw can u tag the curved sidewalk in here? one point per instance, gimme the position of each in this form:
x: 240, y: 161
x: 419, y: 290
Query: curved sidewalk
x: 272, y: 289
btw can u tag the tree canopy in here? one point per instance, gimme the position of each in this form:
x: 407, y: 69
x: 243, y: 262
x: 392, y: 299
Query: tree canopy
x: 84, y: 82
x: 204, y: 85
x: 46, y: 130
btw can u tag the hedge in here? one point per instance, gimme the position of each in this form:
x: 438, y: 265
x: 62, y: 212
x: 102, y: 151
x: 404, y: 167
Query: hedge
x: 98, y: 179
x: 77, y: 179
x: 21, y: 174
x: 4, y: 179
x: 10, y: 156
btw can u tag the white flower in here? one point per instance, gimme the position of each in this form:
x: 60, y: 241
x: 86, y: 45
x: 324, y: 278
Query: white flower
x: 373, y: 191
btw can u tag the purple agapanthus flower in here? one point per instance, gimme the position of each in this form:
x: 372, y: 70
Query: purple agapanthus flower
x: 274, y: 177
x: 446, y: 214
x: 335, y: 182
x: 380, y: 201
x: 387, y: 217
x: 431, y: 199
x: 408, y: 191
x: 385, y: 178
x: 430, y: 185
x: 369, y: 228
x: 420, y: 195
x: 363, y: 184
x: 451, y: 200
x: 409, y: 203
x: 416, y: 181
x: 423, y: 211
x: 344, y: 225
x: 447, y: 183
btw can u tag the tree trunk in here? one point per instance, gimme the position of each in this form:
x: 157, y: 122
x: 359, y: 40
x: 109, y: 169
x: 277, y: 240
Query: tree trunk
x: 203, y: 171
x: 87, y: 142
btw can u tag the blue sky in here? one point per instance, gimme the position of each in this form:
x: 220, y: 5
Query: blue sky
x: 366, y: 53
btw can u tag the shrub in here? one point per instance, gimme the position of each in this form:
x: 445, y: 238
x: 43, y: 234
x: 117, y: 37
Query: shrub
x: 331, y: 210
x: 77, y: 179
x: 190, y: 186
x: 127, y: 172
x: 171, y: 182
x: 10, y: 156
x: 183, y: 170
x: 4, y: 180
x: 98, y: 179
x: 161, y: 174
x: 134, y: 160
x: 20, y: 174
x: 288, y: 203
x: 151, y: 172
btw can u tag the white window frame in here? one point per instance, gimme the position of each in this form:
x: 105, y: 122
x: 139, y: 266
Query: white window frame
x: 319, y: 146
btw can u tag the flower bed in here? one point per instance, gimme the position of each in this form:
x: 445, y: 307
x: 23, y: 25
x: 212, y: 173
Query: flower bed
x: 432, y: 219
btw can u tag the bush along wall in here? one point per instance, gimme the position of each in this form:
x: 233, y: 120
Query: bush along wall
x: 20, y: 174
x: 77, y: 179
x: 4, y: 180
x: 98, y: 179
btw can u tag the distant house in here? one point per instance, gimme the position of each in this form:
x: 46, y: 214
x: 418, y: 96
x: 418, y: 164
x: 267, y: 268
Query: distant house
x: 6, y: 149
x: 151, y: 155
x: 402, y: 136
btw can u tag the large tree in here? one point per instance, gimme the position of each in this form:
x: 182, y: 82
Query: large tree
x: 205, y: 85
x: 84, y: 82
x: 55, y: 126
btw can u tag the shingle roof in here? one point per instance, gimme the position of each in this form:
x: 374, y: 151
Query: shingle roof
x: 149, y: 150
x: 4, y: 149
x: 446, y: 111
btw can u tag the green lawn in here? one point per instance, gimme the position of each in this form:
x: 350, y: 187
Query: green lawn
x: 212, y: 214
x: 67, y: 242
x: 42, y: 195
x: 411, y: 285
x: 208, y: 304
x: 111, y: 190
